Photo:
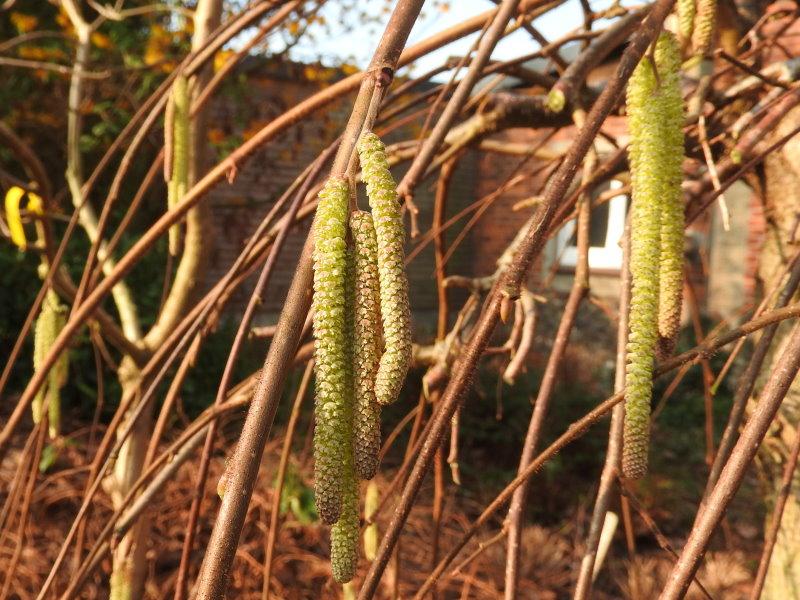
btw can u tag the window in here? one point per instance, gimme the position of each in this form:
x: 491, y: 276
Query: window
x: 607, y: 227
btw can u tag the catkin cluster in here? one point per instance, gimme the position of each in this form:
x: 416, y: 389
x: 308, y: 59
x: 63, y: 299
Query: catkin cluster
x: 51, y: 321
x: 360, y: 295
x: 655, y: 116
x: 179, y: 178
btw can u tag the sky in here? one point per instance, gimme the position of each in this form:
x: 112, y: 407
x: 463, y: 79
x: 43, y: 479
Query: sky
x: 357, y: 46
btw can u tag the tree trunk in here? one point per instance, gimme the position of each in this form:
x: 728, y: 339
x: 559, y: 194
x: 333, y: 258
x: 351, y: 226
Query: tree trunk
x: 130, y: 560
x: 782, y: 210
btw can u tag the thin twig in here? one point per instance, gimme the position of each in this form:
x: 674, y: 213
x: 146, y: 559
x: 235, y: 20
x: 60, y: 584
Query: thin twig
x: 732, y: 475
x: 529, y: 248
x: 771, y: 537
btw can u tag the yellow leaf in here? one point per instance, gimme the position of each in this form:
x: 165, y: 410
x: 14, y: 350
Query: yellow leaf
x: 153, y: 55
x: 62, y: 18
x: 215, y: 135
x: 24, y: 23
x: 13, y: 197
x: 349, y: 69
x: 253, y: 128
x: 101, y: 40
x: 35, y: 204
x: 39, y: 53
x: 221, y: 57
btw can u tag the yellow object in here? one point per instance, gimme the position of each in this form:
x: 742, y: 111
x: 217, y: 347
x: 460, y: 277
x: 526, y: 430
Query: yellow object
x: 14, y: 197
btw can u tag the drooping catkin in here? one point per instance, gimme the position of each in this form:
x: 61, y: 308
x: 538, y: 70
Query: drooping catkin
x: 686, y: 11
x: 180, y: 144
x: 366, y: 355
x: 51, y: 321
x: 331, y: 439
x: 344, y: 533
x: 704, y: 23
x: 395, y: 308
x: 651, y: 117
x: 670, y: 298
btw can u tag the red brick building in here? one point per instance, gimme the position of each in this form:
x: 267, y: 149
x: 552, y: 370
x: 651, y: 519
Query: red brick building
x: 722, y: 260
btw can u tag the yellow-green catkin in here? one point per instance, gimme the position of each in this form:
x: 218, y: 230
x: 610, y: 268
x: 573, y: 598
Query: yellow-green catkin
x: 390, y: 234
x: 331, y: 438
x: 704, y: 24
x: 366, y: 354
x: 51, y: 321
x: 179, y: 180
x: 686, y: 11
x: 670, y: 298
x: 371, y: 503
x: 651, y: 116
x: 344, y: 533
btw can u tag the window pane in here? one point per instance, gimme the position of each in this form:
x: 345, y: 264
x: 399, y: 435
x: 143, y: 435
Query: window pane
x: 599, y: 226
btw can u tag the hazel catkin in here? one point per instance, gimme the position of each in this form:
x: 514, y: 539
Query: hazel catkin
x: 685, y: 11
x: 652, y: 110
x: 179, y: 180
x: 366, y: 353
x: 331, y: 355
x: 704, y: 23
x: 390, y: 234
x: 670, y: 277
x: 344, y: 533
x: 51, y: 321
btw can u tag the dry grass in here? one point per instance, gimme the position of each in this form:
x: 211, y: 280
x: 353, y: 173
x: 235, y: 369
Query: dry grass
x: 301, y: 568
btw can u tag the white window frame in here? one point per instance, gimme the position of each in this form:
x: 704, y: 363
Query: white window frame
x: 607, y: 257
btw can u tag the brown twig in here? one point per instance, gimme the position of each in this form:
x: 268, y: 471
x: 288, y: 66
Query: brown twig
x: 457, y: 100
x: 578, y: 291
x: 771, y: 536
x: 530, y: 246
x: 277, y: 492
x: 247, y: 456
x: 661, y: 539
x: 731, y: 477
x: 583, y: 587
x: 747, y: 382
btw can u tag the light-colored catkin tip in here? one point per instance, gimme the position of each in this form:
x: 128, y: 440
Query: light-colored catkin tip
x: 180, y: 147
x: 390, y: 234
x: 651, y: 105
x: 371, y: 503
x: 367, y: 418
x: 330, y: 259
